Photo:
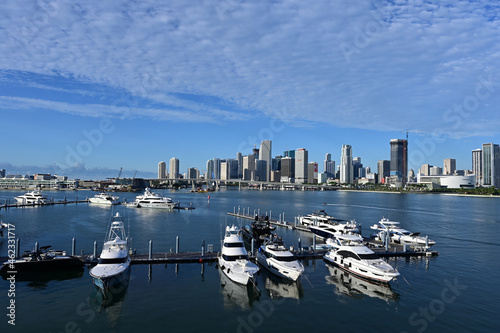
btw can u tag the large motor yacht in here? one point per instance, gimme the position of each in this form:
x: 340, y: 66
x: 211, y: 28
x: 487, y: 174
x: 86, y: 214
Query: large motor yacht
x: 234, y: 261
x: 399, y: 235
x: 113, y: 267
x: 152, y: 200
x: 276, y: 258
x: 34, y: 197
x: 351, y: 255
x: 104, y: 199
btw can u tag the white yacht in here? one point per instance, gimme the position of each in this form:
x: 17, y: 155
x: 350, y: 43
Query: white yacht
x: 233, y: 260
x: 276, y: 258
x: 317, y: 217
x: 399, y: 235
x: 113, y: 267
x: 352, y: 256
x: 327, y: 231
x: 104, y: 199
x: 152, y: 200
x: 34, y: 197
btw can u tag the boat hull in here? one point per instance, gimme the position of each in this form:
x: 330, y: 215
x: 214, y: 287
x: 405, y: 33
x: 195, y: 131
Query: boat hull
x: 112, y: 282
x: 52, y: 264
x: 287, y: 273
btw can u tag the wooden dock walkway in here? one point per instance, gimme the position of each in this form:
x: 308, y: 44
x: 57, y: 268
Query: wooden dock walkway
x: 50, y: 203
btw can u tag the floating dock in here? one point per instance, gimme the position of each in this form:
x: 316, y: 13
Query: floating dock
x: 49, y: 203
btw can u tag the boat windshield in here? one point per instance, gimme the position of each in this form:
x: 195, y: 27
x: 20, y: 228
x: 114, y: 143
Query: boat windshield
x: 235, y: 244
x: 369, y: 256
x: 286, y: 259
x: 234, y: 258
x: 113, y: 261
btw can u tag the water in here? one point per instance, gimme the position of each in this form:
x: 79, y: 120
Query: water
x: 455, y: 292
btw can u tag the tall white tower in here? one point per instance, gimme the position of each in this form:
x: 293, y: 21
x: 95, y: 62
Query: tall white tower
x: 346, y: 170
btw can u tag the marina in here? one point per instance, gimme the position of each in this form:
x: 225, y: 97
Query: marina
x: 169, y: 249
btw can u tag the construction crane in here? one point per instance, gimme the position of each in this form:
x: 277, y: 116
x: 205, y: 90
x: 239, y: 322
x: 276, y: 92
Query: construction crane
x: 120, y: 173
x: 406, y: 131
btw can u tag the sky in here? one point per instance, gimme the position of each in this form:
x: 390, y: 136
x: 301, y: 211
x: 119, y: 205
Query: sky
x: 89, y: 87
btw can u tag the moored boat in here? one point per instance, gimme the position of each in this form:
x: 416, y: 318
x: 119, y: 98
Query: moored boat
x: 399, y: 235
x: 104, y: 199
x: 34, y: 197
x: 152, y: 200
x: 351, y: 255
x: 42, y: 260
x: 113, y: 267
x: 233, y: 259
x: 276, y: 258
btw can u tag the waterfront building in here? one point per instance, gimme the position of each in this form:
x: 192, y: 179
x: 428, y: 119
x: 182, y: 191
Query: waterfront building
x: 217, y: 162
x: 261, y: 170
x: 322, y: 178
x: 287, y: 170
x: 329, y: 166
x: 232, y: 165
x: 491, y: 165
x: 383, y: 170
x: 312, y: 172
x: 425, y: 169
x: 477, y: 165
x: 2, y: 173
x: 265, y: 155
x: 174, y: 168
x: 275, y: 176
x: 224, y: 170
x: 442, y: 181
x: 301, y: 161
x: 248, y: 167
x: 399, y: 160
x: 436, y: 171
x: 450, y: 165
x: 289, y: 153
x: 239, y: 157
x: 210, y: 170
x: 346, y: 169
x: 192, y: 173
x: 276, y: 163
x: 162, y: 170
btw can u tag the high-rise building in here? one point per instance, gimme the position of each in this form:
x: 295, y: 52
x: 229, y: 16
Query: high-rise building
x: 356, y: 168
x: 346, y: 170
x: 276, y: 163
x: 232, y: 168
x: 425, y: 169
x: 217, y: 162
x: 435, y: 171
x: 491, y: 165
x: 450, y: 165
x: 383, y: 170
x: 174, y: 168
x: 287, y: 170
x: 239, y: 157
x: 210, y: 170
x: 399, y: 160
x: 289, y: 153
x: 477, y: 165
x: 265, y: 155
x: 2, y: 172
x: 162, y: 170
x: 301, y: 160
x: 329, y: 166
x: 248, y: 167
x: 312, y: 172
x: 261, y: 170
x: 224, y: 170
x: 192, y: 173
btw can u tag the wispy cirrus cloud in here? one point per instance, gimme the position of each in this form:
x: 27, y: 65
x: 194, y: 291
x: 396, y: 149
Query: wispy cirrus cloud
x: 384, y: 64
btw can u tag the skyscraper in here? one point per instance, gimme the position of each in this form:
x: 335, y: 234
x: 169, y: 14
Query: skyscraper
x: 210, y: 170
x: 248, y: 167
x: 383, y: 170
x: 329, y: 166
x: 265, y: 155
x: 217, y: 162
x: 287, y: 170
x: 239, y: 157
x: 356, y: 168
x: 399, y: 160
x: 450, y: 165
x: 477, y: 165
x: 162, y: 172
x: 174, y: 168
x: 346, y: 170
x: 301, y: 160
x: 312, y: 172
x: 491, y: 165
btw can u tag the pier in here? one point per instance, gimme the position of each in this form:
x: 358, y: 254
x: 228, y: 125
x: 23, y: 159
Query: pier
x: 7, y: 203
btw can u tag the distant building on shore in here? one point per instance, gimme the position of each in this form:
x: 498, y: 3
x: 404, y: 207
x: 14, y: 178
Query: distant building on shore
x: 162, y: 170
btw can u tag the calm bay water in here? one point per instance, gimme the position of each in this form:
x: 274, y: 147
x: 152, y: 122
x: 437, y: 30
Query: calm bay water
x: 455, y: 292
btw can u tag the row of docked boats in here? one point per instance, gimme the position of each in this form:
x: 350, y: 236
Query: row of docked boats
x: 148, y: 199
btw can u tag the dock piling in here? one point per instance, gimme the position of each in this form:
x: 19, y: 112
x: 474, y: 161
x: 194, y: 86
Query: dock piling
x: 177, y: 244
x: 95, y: 249
x: 36, y: 247
x: 300, y: 246
x: 203, y: 248
x: 73, y: 246
x: 252, y: 246
x: 18, y: 244
x: 150, y: 249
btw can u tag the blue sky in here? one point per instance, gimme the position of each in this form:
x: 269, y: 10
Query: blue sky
x: 89, y: 87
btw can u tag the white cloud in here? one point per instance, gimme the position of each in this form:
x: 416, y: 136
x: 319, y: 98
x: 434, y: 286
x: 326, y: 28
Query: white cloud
x: 406, y: 62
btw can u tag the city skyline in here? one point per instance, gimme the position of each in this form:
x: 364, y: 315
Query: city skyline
x: 90, y: 88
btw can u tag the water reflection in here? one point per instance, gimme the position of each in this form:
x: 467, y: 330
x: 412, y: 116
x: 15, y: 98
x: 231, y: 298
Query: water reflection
x: 40, y: 280
x: 281, y: 288
x: 352, y: 286
x: 111, y: 300
x: 237, y: 295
